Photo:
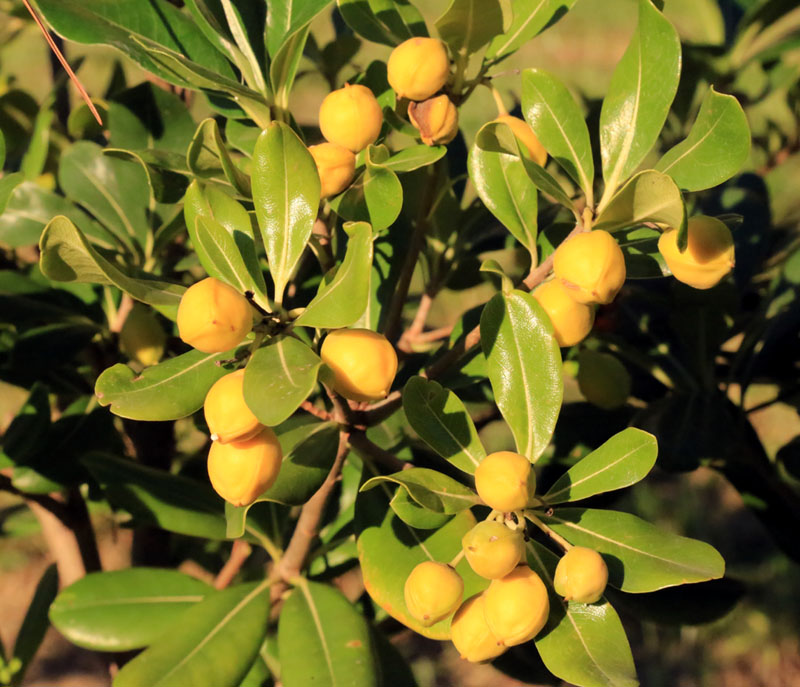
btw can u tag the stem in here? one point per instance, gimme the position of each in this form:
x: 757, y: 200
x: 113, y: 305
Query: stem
x: 240, y: 552
x: 498, y: 101
x: 456, y: 559
x: 417, y: 325
x: 363, y: 445
x: 461, y: 67
x: 309, y: 407
x: 563, y: 543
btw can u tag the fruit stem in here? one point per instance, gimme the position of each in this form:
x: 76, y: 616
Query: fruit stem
x: 498, y: 101
x: 456, y: 559
x: 563, y: 543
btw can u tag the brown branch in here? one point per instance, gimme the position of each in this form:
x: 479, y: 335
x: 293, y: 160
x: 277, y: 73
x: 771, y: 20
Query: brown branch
x: 417, y: 325
x: 125, y: 307
x: 434, y: 334
x: 342, y: 412
x: 240, y: 552
x: 62, y: 544
x: 360, y: 442
x: 322, y: 414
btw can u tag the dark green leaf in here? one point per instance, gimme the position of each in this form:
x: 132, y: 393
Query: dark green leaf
x: 414, y: 515
x: 35, y: 157
x: 207, y: 157
x: 468, y: 25
x: 530, y: 17
x: 409, y: 159
x: 285, y: 17
x: 649, y: 196
x: 431, y: 489
x: 383, y: 21
x: 166, y: 172
x: 36, y: 622
x: 28, y: 430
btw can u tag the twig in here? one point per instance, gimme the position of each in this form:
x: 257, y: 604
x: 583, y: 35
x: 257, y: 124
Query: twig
x: 395, y: 315
x: 434, y: 334
x: 240, y: 552
x: 309, y: 407
x: 418, y: 323
x: 360, y: 442
x: 125, y: 307
x: 342, y: 412
x: 563, y: 543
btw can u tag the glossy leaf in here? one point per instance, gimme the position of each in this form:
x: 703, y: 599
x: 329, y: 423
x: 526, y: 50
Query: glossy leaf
x: 524, y: 365
x: 286, y: 195
x: 649, y: 196
x: 621, y: 461
x: 414, y: 157
x: 414, y: 515
x: 639, y: 96
x: 715, y: 149
x: 283, y: 70
x: 530, y: 17
x: 468, y: 25
x: 33, y: 162
x: 323, y: 639
x: 341, y: 301
x: 123, y: 610
x: 166, y: 172
x: 640, y: 557
x: 36, y: 623
x: 173, y: 389
x: 583, y: 644
x: 383, y: 21
x: 285, y: 17
x: 214, y: 645
x: 431, y: 489
x: 439, y: 417
x: 278, y: 378
x: 207, y: 157
x: 558, y: 123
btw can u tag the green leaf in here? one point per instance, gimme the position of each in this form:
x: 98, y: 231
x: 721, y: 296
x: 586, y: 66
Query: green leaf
x: 414, y: 515
x: 715, y: 149
x: 558, y: 123
x: 383, y: 21
x: 173, y: 389
x: 621, y: 461
x: 643, y: 260
x: 583, y: 644
x: 2, y: 149
x: 278, y: 378
x: 431, y: 489
x: 524, y: 364
x: 439, y: 417
x: 35, y: 157
x: 323, y: 640
x: 207, y: 157
x: 341, y: 301
x: 286, y: 196
x: 165, y: 171
x: 123, y: 610
x: 171, y: 502
x: 640, y: 557
x: 639, y: 97
x: 415, y: 157
x: 649, y: 196
x: 212, y: 644
x: 36, y: 623
x: 285, y: 17
x: 283, y: 70
x: 66, y: 255
x: 530, y: 17
x: 28, y: 430
x: 468, y: 25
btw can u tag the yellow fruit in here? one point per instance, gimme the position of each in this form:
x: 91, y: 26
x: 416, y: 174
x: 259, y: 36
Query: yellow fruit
x: 142, y: 338
x: 432, y: 592
x: 708, y: 257
x: 492, y: 549
x: 213, y: 317
x: 470, y: 633
x: 418, y: 67
x: 572, y: 321
x: 240, y: 471
x: 351, y: 117
x: 591, y: 266
x: 436, y: 119
x: 363, y: 363
x: 505, y: 481
x: 227, y: 415
x: 517, y: 606
x: 603, y: 380
x: 581, y: 575
x: 336, y: 166
x: 530, y: 144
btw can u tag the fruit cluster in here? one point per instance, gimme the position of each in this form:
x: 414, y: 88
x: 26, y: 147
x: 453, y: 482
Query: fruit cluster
x: 515, y: 606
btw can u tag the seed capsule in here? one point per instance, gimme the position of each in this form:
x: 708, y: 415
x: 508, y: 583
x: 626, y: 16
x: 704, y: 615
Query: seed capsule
x: 572, y: 321
x: 363, y: 363
x: 530, y: 144
x: 492, y: 549
x: 505, y: 481
x: 351, y: 117
x: 418, y: 67
x: 432, y: 592
x: 436, y: 119
x: 517, y: 606
x: 142, y: 338
x: 581, y: 575
x: 227, y: 415
x: 470, y: 633
x: 336, y: 166
x: 708, y: 257
x: 213, y: 317
x: 590, y: 266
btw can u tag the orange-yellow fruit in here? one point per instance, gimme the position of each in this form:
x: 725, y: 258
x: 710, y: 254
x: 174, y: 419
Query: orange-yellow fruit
x: 603, y: 380
x: 517, y: 606
x: 581, y: 575
x: 591, y: 266
x: 227, y: 415
x: 505, y: 481
x: 572, y: 321
x: 470, y: 633
x: 213, y: 317
x: 363, y: 363
x: 336, y: 166
x: 240, y: 471
x: 142, y: 338
x: 492, y: 549
x: 351, y: 117
x: 530, y: 144
x: 418, y: 67
x: 436, y: 119
x: 432, y: 592
x: 708, y: 257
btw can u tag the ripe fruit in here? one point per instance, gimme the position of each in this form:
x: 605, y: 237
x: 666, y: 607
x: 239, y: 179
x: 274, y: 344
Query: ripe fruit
x: 572, y: 321
x: 142, y: 338
x: 432, y: 592
x: 530, y: 144
x: 240, y: 471
x: 336, y: 166
x: 213, y: 317
x: 227, y: 414
x: 418, y: 67
x: 363, y: 363
x: 591, y: 266
x: 581, y: 575
x: 492, y: 549
x: 517, y: 606
x: 351, y: 117
x: 436, y: 119
x: 603, y: 380
x: 470, y: 633
x: 708, y: 256
x: 505, y: 481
